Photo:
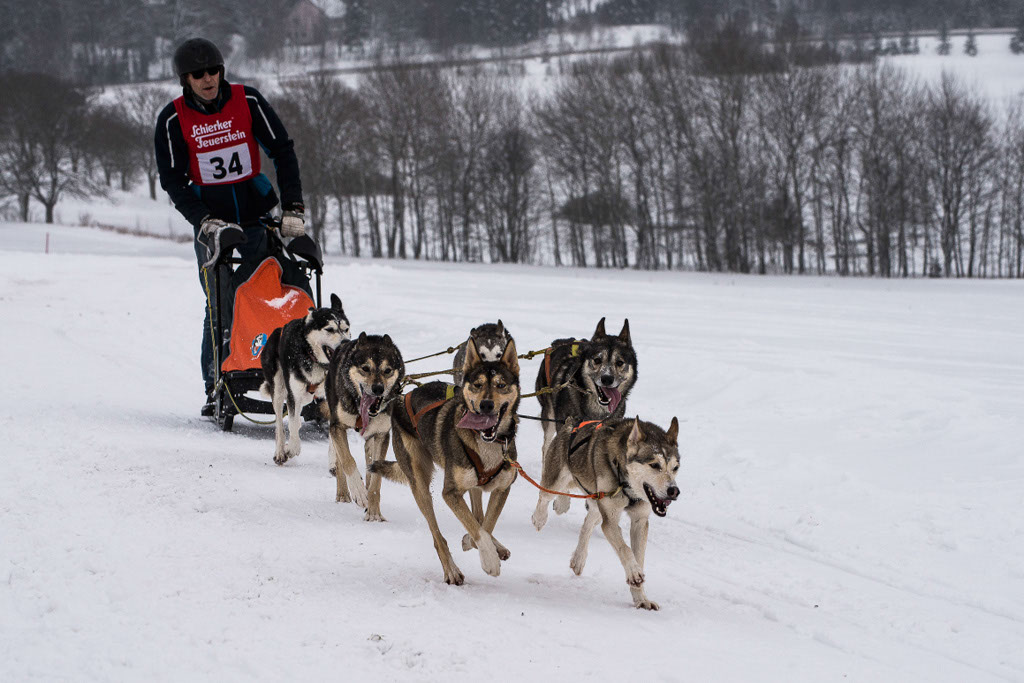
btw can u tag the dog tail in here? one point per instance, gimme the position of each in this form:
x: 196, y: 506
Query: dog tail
x: 390, y: 470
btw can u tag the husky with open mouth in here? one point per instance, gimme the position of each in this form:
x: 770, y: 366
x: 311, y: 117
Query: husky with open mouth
x: 634, y: 464
x: 596, y: 376
x: 295, y: 361
x: 470, y: 434
x: 363, y: 383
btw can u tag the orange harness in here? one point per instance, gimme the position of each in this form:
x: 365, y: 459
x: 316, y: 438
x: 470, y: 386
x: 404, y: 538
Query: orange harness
x: 483, y: 476
x: 596, y: 496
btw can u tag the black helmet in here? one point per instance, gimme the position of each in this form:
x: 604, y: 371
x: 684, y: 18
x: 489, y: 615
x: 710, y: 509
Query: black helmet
x: 195, y: 54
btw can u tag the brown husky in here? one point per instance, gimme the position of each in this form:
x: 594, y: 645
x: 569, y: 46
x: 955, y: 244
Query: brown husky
x: 469, y: 434
x: 363, y: 382
x: 634, y: 465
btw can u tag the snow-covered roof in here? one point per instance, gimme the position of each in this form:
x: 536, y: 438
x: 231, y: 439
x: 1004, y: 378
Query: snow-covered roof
x: 334, y: 9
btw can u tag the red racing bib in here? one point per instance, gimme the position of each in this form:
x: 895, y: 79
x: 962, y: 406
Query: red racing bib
x: 222, y: 147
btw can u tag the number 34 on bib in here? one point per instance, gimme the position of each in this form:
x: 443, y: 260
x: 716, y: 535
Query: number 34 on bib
x: 225, y: 165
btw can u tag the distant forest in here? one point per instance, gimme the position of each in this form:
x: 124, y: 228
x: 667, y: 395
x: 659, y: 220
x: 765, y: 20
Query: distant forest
x: 116, y: 41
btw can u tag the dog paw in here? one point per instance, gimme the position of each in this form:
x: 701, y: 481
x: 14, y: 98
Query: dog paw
x: 333, y: 471
x: 561, y: 505
x: 489, y: 560
x: 503, y: 552
x: 373, y: 517
x: 359, y: 494
x: 634, y: 575
x: 453, y: 577
x: 578, y: 562
x: 281, y: 457
x: 646, y: 604
x: 539, y: 518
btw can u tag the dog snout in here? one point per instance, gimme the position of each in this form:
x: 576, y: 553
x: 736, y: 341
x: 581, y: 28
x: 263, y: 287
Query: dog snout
x: 486, y: 406
x: 607, y: 380
x: 673, y: 492
x: 378, y: 389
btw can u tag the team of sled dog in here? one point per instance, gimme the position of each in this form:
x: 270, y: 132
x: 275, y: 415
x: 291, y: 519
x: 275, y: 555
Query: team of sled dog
x: 469, y: 430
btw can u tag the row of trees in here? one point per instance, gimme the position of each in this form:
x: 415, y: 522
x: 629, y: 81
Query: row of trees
x: 58, y: 141
x: 652, y: 161
x: 656, y: 162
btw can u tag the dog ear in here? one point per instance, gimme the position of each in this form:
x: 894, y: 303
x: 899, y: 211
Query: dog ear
x: 501, y: 328
x: 636, y: 435
x: 673, y: 432
x: 472, y: 356
x: 336, y: 304
x: 309, y: 315
x: 510, y: 358
x: 361, y: 339
x: 599, y: 332
x: 624, y: 335
x: 387, y: 340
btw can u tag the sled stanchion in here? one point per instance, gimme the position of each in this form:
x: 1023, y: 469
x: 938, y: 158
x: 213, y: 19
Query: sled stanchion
x: 215, y: 315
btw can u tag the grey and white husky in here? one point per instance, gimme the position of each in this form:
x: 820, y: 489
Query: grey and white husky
x: 598, y: 373
x: 490, y: 339
x: 363, y: 382
x: 634, y: 463
x: 295, y: 361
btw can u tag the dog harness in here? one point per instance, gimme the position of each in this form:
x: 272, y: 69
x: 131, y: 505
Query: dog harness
x: 573, y: 352
x: 483, y: 476
x: 576, y: 445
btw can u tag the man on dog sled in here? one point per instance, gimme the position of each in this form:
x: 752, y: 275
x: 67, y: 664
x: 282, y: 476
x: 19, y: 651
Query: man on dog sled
x: 208, y: 154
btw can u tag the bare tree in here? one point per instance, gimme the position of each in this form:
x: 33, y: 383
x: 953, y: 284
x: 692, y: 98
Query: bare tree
x: 44, y: 140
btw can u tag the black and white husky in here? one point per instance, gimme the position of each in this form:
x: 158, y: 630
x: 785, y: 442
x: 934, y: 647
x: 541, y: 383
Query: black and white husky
x: 295, y: 362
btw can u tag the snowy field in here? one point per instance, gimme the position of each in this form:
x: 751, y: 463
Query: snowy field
x: 853, y: 471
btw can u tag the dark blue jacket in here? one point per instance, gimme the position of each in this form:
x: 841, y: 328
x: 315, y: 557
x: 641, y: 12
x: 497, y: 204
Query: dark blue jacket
x: 242, y: 202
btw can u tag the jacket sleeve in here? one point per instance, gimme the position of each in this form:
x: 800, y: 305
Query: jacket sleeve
x: 273, y: 138
x: 172, y: 163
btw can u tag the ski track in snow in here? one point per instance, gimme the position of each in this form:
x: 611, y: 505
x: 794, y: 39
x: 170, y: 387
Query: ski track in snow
x: 852, y: 475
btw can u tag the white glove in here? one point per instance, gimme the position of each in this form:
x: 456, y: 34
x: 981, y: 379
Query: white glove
x: 213, y: 233
x: 293, y: 222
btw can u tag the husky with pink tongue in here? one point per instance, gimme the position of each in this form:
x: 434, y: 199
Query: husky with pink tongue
x: 363, y: 383
x: 592, y: 376
x: 470, y: 434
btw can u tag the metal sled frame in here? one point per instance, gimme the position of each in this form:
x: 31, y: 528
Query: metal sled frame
x: 302, y: 251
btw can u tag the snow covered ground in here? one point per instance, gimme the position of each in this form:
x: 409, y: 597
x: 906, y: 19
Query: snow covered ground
x: 994, y: 72
x: 853, y: 470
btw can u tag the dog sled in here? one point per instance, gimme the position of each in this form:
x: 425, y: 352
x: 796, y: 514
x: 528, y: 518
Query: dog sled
x: 248, y: 300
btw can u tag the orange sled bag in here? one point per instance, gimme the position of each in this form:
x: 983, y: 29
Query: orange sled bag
x: 262, y: 304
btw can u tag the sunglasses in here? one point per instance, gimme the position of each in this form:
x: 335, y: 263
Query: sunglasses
x: 199, y: 73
